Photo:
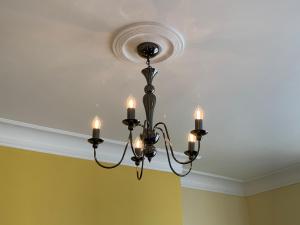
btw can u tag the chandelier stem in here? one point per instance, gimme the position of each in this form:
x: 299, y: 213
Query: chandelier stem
x: 113, y: 166
x: 148, y: 61
x: 149, y: 98
x: 167, y: 136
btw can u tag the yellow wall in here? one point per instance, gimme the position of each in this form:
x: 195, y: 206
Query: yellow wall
x: 277, y: 207
x: 209, y: 208
x: 42, y: 189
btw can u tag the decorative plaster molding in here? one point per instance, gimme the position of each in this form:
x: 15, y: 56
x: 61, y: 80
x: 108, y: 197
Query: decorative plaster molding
x: 125, y: 42
x: 274, y: 180
x: 213, y: 183
x: 54, y: 141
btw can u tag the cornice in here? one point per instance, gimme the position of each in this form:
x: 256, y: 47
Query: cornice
x: 274, y: 180
x: 54, y: 141
x: 213, y: 183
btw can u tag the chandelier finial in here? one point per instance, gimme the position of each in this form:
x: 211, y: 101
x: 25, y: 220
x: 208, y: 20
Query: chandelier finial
x: 148, y: 50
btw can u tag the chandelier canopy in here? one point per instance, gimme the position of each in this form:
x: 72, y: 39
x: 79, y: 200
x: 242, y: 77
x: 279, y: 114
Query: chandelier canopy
x: 144, y: 145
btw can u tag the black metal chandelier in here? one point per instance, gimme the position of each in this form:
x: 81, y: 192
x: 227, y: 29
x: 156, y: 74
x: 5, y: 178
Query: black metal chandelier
x: 144, y: 146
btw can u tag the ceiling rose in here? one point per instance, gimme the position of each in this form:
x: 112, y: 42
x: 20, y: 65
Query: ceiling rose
x: 170, y: 41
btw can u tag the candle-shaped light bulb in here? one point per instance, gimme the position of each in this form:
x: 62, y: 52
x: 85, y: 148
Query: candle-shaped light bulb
x: 138, y: 143
x: 191, y: 142
x: 96, y: 124
x: 192, y: 138
x: 131, y: 104
x: 138, y: 146
x: 199, y: 115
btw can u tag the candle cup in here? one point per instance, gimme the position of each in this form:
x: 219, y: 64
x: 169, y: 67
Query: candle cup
x: 96, y: 133
x: 131, y: 113
x: 138, y: 152
x: 191, y: 146
x: 198, y: 124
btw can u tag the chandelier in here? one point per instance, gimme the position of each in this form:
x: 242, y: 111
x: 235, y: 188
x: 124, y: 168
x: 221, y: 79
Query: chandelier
x: 144, y: 144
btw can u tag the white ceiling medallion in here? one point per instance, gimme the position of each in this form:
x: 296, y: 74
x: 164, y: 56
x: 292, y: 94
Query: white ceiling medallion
x: 125, y: 42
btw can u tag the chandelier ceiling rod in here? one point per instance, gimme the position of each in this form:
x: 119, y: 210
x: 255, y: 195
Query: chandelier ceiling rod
x: 144, y: 146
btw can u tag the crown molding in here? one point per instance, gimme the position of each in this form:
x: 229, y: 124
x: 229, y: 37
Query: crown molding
x: 274, y: 180
x: 226, y: 185
x: 59, y: 142
x: 213, y: 183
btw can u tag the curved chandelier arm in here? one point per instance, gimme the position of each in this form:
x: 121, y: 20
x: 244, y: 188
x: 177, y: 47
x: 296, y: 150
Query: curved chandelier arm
x: 131, y: 144
x: 139, y: 174
x: 169, y: 160
x: 113, y: 166
x: 170, y: 145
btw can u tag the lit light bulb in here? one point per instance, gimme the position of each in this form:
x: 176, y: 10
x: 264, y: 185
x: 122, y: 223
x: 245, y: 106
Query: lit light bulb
x: 191, y: 138
x: 96, y: 124
x: 199, y: 113
x: 131, y: 103
x: 138, y: 144
x: 191, y: 142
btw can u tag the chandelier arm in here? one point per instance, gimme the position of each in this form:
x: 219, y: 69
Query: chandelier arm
x: 114, y: 166
x: 170, y: 145
x: 169, y: 160
x: 131, y: 144
x: 139, y: 175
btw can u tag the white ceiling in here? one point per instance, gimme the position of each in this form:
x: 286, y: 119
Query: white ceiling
x: 241, y: 63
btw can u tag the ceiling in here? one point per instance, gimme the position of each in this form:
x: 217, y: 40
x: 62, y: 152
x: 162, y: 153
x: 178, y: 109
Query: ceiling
x: 241, y: 64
